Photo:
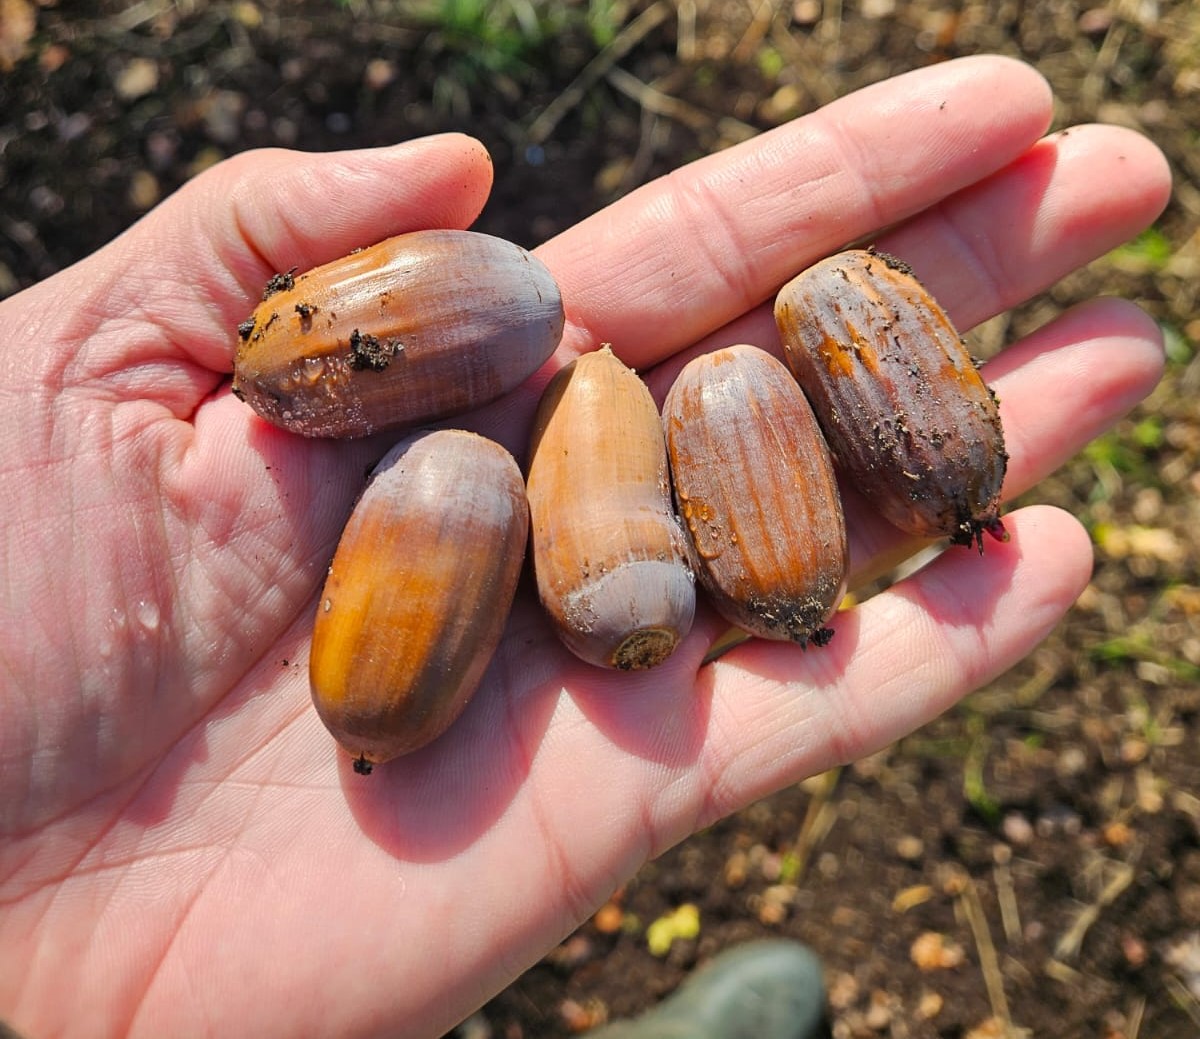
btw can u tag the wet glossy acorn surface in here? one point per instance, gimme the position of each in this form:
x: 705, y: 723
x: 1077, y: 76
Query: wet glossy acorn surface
x: 903, y: 407
x: 418, y: 593
x: 608, y: 553
x: 755, y: 487
x: 419, y: 327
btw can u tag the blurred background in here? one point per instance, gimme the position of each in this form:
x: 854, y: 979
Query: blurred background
x: 1030, y: 863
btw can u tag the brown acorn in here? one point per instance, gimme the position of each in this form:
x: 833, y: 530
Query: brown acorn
x: 419, y: 327
x: 608, y: 552
x: 755, y: 486
x: 905, y: 411
x: 418, y: 593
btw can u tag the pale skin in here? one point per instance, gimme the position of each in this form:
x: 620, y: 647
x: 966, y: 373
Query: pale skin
x: 184, y: 850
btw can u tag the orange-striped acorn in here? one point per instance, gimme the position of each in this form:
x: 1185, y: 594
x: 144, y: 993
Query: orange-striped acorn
x: 904, y: 408
x: 608, y: 552
x: 418, y: 593
x: 419, y: 327
x: 755, y: 486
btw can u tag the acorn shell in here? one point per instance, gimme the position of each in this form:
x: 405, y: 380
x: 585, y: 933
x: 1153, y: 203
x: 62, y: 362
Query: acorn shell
x: 905, y: 411
x: 755, y: 487
x: 419, y: 327
x: 418, y: 593
x: 608, y: 553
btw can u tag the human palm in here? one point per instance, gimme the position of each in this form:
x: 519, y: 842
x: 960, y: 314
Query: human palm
x: 184, y: 851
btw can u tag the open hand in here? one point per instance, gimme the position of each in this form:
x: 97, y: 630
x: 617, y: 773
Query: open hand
x: 184, y: 850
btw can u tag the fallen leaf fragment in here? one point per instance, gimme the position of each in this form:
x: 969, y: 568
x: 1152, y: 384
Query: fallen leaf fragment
x: 681, y: 923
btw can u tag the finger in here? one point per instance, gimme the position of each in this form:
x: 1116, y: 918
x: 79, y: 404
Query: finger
x: 688, y: 253
x: 280, y: 210
x: 255, y: 511
x: 175, y: 286
x: 292, y: 209
x: 895, y: 663
x: 1067, y: 383
x: 1059, y: 388
x: 1072, y: 197
x: 1044, y: 214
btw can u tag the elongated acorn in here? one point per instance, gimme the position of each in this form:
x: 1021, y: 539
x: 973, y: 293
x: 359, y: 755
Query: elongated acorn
x: 756, y: 490
x: 419, y: 327
x: 418, y: 593
x: 608, y: 552
x: 903, y: 407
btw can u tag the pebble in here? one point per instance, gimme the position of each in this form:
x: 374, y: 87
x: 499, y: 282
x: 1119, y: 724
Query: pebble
x: 929, y: 1006
x: 379, y: 73
x: 221, y: 112
x: 136, y: 79
x: 1017, y: 829
x: 932, y: 951
x: 736, y: 870
x: 474, y: 1027
x: 609, y: 918
x: 144, y: 190
x: 580, y: 1017
x: 879, y: 1011
x: 843, y: 991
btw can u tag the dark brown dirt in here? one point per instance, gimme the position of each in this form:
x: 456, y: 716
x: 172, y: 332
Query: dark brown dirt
x: 1029, y: 861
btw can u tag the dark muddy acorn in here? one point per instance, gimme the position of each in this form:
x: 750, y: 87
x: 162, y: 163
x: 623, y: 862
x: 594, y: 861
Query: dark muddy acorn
x: 608, y: 553
x: 755, y: 487
x: 418, y: 593
x: 419, y: 327
x: 905, y: 411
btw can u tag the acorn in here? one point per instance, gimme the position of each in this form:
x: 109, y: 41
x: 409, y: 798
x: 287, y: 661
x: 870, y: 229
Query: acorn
x: 755, y: 487
x: 419, y: 327
x: 902, y: 404
x: 418, y: 593
x: 608, y: 552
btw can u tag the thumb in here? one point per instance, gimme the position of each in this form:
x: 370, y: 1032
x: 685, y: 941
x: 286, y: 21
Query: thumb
x: 173, y: 287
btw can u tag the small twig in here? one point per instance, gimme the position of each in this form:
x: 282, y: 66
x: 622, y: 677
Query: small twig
x: 649, y: 137
x: 1006, y: 895
x: 1134, y: 1025
x: 1182, y: 996
x: 806, y: 62
x: 596, y: 69
x: 655, y: 101
x: 1093, y: 84
x: 1071, y: 942
x: 1063, y: 974
x: 818, y: 821
x: 731, y: 639
x: 989, y: 962
x: 685, y: 18
x: 764, y: 16
x: 830, y: 28
x: 137, y: 15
